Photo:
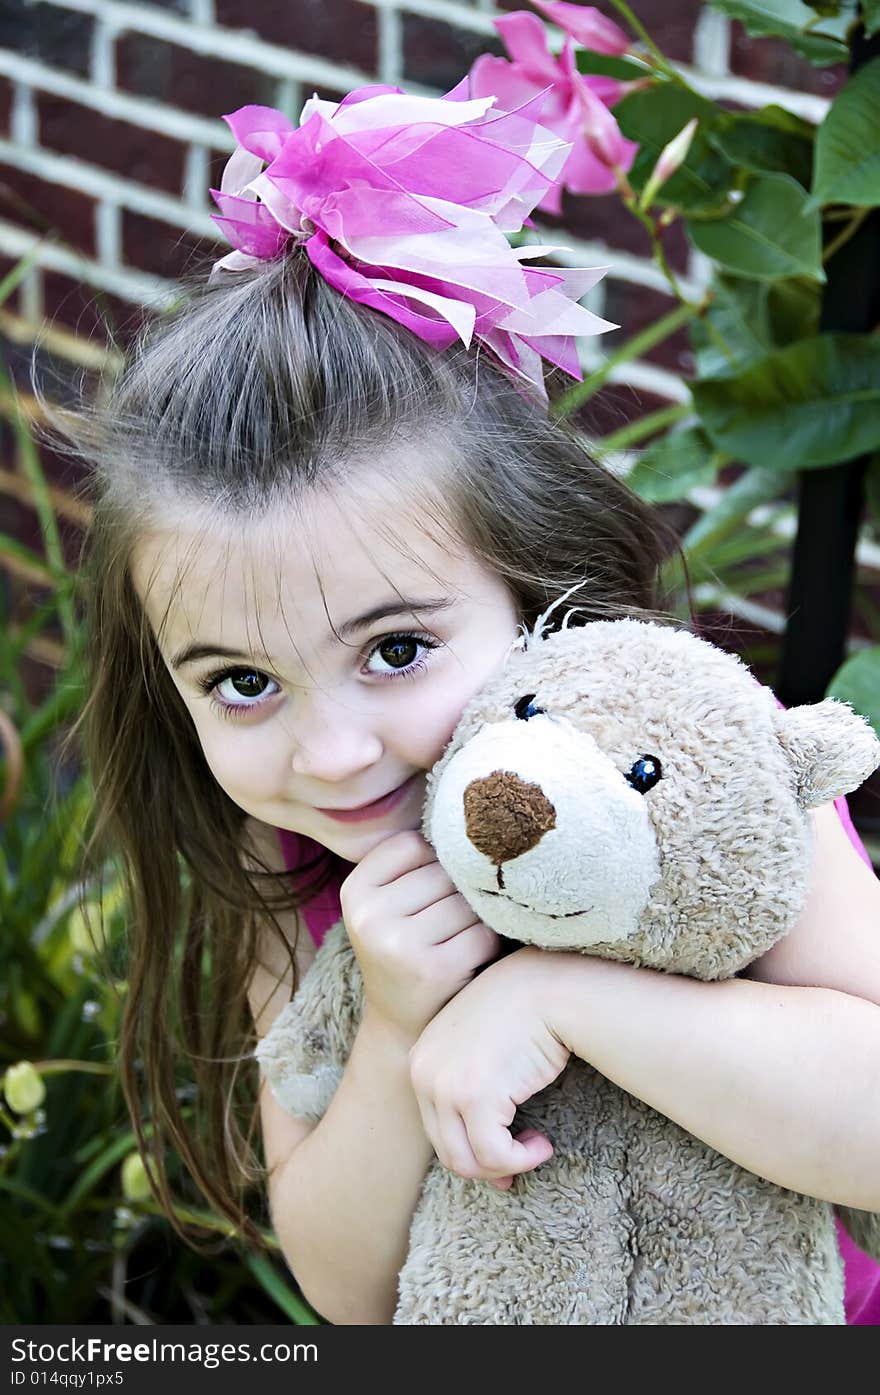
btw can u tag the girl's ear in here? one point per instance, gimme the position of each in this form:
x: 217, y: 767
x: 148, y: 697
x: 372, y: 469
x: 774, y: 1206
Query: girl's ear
x: 831, y: 748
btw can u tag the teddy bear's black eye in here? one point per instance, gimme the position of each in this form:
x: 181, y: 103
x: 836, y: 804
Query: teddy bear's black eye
x: 645, y: 773
x: 526, y: 708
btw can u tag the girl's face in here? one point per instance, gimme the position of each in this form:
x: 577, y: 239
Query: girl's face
x: 298, y: 722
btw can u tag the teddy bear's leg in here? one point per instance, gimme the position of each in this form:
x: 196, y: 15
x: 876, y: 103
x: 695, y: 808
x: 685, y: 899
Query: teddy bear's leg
x: 716, y: 1245
x: 554, y: 1250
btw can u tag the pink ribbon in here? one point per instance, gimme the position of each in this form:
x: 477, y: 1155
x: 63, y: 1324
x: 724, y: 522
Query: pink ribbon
x: 404, y: 203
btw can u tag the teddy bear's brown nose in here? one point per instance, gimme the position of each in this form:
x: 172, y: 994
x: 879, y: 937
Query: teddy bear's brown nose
x: 505, y: 816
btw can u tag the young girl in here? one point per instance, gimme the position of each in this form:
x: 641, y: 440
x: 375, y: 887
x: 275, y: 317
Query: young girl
x: 315, y: 535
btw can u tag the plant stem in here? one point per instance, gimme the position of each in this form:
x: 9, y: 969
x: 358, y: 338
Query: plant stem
x: 13, y: 278
x: 206, y: 1221
x: 639, y: 344
x: 659, y: 251
x: 54, y: 1067
x: 636, y: 431
x: 759, y: 485
x: 638, y: 28
x: 845, y: 234
x: 33, y: 472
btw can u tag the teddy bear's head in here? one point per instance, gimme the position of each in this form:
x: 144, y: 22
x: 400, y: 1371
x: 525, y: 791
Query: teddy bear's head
x: 627, y: 789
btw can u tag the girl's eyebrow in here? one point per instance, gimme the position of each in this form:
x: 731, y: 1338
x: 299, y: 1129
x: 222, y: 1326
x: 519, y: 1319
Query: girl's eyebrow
x: 191, y: 652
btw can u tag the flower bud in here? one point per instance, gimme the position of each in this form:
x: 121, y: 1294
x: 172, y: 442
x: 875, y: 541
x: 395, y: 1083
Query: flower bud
x: 670, y: 159
x: 135, y: 1183
x: 23, y: 1087
x: 586, y: 25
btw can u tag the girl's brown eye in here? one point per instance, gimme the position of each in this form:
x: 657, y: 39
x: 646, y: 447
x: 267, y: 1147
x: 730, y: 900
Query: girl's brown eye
x: 399, y: 651
x: 246, y: 683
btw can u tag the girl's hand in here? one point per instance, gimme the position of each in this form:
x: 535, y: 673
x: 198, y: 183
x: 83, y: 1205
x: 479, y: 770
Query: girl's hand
x: 486, y: 1052
x: 416, y: 938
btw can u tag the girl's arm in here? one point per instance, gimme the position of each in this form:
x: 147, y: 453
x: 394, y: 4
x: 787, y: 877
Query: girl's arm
x: 836, y: 941
x: 341, y: 1192
x: 783, y: 1079
x: 342, y: 1198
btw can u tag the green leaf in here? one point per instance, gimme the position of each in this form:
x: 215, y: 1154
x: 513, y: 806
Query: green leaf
x: 771, y: 140
x: 816, y: 402
x: 871, y: 16
x: 793, y: 309
x: 671, y: 466
x: 17, y: 273
x: 767, y: 235
x: 872, y: 493
x: 272, y: 1283
x: 699, y: 544
x: 857, y: 681
x: 786, y: 19
x: 847, y: 147
x: 653, y: 116
x: 11, y: 547
x: 738, y: 314
x: 751, y: 318
x: 609, y: 65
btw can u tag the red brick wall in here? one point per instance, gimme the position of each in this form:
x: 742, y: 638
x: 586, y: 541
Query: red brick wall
x: 109, y: 117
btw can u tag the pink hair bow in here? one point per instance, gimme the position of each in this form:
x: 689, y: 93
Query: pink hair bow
x: 403, y: 203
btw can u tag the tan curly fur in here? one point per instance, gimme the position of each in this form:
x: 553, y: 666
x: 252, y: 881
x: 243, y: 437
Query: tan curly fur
x: 544, y: 830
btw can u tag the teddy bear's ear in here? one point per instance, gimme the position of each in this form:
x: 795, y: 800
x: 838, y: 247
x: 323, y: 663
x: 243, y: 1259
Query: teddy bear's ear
x: 832, y: 749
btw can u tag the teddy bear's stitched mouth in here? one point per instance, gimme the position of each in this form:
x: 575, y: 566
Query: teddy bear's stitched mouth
x: 561, y: 915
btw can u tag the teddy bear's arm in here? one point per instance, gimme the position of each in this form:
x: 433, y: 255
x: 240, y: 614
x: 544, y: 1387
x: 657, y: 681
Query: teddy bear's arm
x: 303, y: 1054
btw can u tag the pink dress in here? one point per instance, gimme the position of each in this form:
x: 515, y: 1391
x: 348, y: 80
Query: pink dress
x: 862, y: 1295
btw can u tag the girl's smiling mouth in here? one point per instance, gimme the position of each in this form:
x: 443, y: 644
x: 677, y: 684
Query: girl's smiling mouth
x: 376, y: 808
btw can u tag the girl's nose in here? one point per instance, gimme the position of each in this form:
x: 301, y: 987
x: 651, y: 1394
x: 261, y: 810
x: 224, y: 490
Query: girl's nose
x: 333, y: 746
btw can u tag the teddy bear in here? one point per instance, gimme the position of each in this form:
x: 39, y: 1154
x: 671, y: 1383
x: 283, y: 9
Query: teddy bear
x: 628, y: 789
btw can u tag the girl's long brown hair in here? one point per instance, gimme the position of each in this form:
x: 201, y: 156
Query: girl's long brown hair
x: 254, y: 390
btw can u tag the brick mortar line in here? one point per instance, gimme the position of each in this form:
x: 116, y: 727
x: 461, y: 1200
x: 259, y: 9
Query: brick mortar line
x: 228, y: 43
x: 77, y: 174
x: 622, y: 266
x: 156, y: 293
x: 122, y: 106
x: 647, y: 376
x: 241, y: 46
x: 73, y: 173
x: 756, y: 94
x: 62, y: 343
x: 140, y: 287
x: 462, y: 16
x: 172, y: 121
x: 119, y: 13
x: 389, y: 58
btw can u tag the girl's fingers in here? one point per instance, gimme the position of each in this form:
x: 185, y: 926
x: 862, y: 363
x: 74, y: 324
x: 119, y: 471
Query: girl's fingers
x: 503, y: 1183
x: 499, y: 1154
x: 486, y: 1151
x: 452, y: 1145
x: 395, y: 856
x: 473, y: 945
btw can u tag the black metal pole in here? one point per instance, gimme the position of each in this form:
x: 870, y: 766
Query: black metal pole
x: 831, y: 500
